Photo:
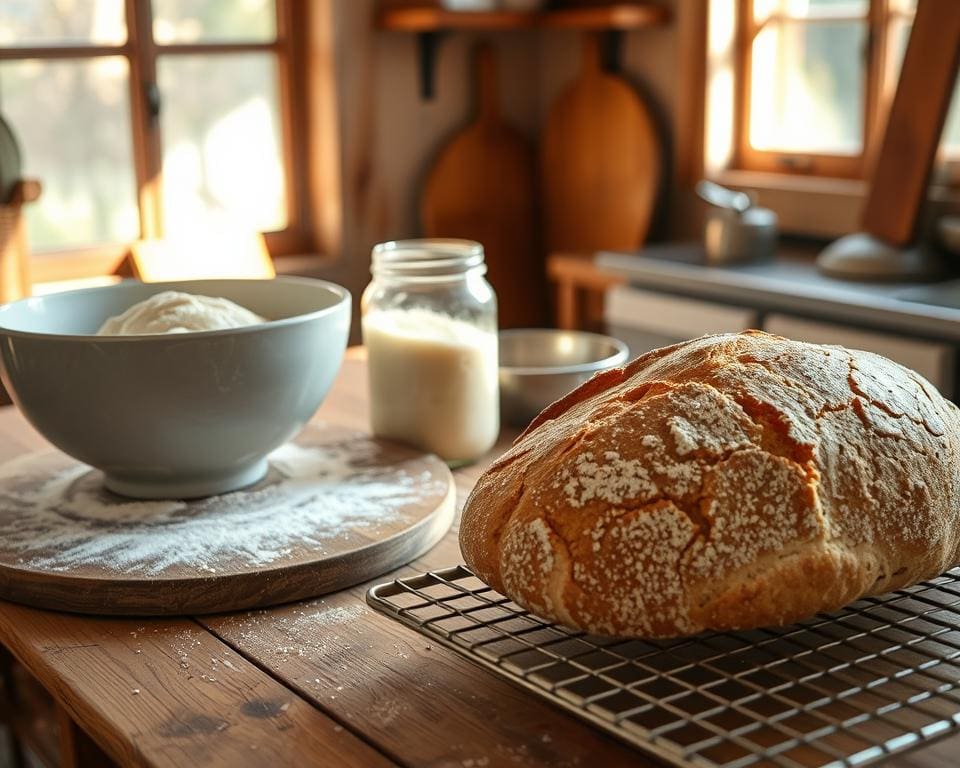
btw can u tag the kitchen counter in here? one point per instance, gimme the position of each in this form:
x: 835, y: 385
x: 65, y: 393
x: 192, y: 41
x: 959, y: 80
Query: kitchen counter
x: 792, y: 283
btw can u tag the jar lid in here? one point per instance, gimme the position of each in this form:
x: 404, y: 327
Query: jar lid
x: 426, y: 257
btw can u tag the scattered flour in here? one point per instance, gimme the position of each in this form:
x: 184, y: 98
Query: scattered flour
x: 338, y: 615
x: 56, y: 516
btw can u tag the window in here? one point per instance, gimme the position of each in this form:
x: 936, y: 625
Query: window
x: 817, y: 78
x: 149, y: 118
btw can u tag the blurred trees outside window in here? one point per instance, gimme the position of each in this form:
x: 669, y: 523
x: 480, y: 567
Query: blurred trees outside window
x: 147, y: 118
x: 819, y: 76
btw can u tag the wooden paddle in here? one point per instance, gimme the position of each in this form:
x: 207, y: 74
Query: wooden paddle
x: 600, y: 163
x: 483, y: 187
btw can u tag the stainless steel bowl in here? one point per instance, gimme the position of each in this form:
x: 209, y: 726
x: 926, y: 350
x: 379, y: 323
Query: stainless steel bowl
x: 539, y: 366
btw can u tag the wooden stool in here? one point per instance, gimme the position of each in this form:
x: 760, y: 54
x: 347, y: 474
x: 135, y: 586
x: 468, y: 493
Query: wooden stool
x: 580, y: 291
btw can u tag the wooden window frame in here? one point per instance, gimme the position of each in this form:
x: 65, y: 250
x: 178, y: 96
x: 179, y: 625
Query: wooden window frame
x: 709, y: 126
x: 880, y: 18
x: 141, y: 53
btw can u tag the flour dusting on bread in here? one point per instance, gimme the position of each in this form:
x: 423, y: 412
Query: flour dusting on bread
x: 730, y: 481
x: 611, y: 479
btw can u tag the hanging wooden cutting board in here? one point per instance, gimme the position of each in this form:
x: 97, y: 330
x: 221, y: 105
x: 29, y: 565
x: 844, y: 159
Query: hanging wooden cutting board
x: 483, y: 188
x: 600, y: 163
x: 336, y: 508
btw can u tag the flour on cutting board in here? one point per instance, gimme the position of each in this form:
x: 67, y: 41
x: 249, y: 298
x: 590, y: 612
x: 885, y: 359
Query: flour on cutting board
x: 55, y: 514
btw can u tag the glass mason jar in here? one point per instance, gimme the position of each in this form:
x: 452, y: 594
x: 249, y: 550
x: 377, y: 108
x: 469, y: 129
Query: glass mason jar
x: 429, y: 322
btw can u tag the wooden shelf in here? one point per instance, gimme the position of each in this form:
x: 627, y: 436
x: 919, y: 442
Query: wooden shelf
x: 619, y: 16
x: 429, y: 23
x: 614, y: 17
x: 437, y: 19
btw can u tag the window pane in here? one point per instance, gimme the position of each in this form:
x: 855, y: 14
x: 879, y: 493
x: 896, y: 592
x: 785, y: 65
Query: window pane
x: 77, y: 22
x: 903, y: 6
x: 72, y: 118
x: 222, y: 155
x: 899, y: 35
x: 951, y: 132
x: 191, y: 21
x: 806, y: 9
x: 807, y: 85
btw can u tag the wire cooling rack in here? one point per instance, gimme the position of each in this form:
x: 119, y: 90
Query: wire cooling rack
x: 851, y: 688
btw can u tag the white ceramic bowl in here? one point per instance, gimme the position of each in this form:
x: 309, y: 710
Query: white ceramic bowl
x: 180, y: 415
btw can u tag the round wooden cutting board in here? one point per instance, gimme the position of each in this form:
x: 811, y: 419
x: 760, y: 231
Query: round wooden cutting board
x: 336, y: 508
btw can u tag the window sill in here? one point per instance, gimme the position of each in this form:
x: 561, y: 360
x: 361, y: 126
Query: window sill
x: 806, y: 205
x: 814, y: 206
x: 68, y: 266
x: 61, y: 272
x: 59, y: 286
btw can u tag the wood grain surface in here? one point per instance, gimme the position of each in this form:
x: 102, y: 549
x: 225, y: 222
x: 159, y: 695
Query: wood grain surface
x: 336, y: 508
x: 600, y: 163
x: 168, y: 693
x: 483, y: 188
x: 427, y: 704
x: 321, y: 682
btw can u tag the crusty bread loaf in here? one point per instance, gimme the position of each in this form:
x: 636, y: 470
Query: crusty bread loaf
x: 727, y: 482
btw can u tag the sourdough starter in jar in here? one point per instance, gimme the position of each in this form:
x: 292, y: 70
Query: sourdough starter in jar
x: 429, y: 325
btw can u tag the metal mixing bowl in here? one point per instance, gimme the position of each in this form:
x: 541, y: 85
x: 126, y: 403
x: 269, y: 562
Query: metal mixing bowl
x: 539, y: 366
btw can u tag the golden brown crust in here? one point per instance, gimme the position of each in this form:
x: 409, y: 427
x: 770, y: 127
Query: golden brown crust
x: 726, y: 482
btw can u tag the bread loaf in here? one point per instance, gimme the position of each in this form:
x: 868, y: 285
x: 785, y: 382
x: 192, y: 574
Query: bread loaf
x: 728, y: 482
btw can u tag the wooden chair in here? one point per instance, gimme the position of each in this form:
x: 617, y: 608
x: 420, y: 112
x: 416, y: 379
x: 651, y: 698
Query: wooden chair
x: 580, y: 290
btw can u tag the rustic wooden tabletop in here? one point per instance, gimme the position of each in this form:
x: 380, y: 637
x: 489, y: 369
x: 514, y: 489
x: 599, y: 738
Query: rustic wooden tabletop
x: 324, y: 682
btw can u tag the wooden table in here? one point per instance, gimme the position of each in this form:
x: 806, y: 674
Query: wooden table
x: 325, y: 682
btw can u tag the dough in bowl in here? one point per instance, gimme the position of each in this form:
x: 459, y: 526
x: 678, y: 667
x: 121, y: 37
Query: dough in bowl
x: 727, y: 482
x: 177, y: 312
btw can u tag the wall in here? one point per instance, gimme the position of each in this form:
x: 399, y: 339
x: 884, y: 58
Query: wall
x: 388, y: 135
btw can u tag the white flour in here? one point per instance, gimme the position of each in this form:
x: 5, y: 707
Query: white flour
x: 55, y: 515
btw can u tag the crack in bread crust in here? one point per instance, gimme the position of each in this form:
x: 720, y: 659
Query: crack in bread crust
x: 728, y: 481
